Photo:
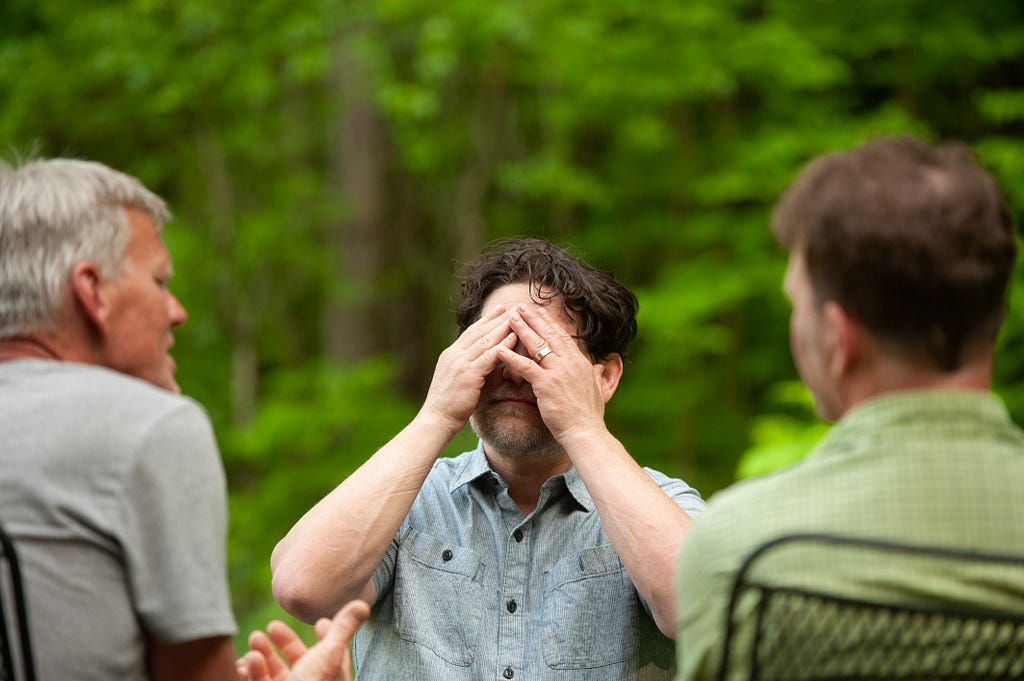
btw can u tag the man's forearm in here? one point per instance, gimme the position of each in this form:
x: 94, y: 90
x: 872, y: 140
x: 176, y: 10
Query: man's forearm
x: 329, y: 556
x: 644, y: 524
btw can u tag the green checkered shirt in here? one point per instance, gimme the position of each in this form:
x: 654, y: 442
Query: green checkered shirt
x: 929, y: 467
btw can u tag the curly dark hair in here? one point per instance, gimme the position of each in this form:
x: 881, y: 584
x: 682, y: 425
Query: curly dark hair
x: 603, y: 309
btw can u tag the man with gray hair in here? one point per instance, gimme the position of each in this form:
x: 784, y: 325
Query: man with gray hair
x: 112, y: 486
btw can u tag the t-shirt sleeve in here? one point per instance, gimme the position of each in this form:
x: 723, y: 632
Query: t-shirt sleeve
x: 174, y: 510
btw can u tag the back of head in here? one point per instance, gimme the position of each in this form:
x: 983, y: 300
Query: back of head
x: 603, y: 309
x: 914, y: 241
x: 54, y: 213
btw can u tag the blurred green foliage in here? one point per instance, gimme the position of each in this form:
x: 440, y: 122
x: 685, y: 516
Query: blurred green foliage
x: 330, y: 163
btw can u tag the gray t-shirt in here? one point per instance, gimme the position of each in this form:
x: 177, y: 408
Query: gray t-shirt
x: 114, y: 493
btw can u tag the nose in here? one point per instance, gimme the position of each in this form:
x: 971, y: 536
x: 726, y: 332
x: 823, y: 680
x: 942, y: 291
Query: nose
x: 511, y: 375
x: 178, y: 315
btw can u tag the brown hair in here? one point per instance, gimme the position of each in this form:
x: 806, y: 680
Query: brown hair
x: 603, y: 310
x: 913, y: 240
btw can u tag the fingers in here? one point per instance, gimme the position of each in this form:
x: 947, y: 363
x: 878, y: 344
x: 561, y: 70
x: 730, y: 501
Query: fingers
x: 537, y: 332
x: 328, y: 660
x: 252, y: 667
x: 486, y: 332
x: 463, y: 367
x: 349, y: 619
x: 343, y: 627
x: 526, y: 366
x: 270, y: 660
x: 286, y: 640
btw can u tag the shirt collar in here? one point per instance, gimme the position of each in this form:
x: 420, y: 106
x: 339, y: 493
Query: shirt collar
x: 937, y: 406
x: 475, y: 467
x: 577, y: 489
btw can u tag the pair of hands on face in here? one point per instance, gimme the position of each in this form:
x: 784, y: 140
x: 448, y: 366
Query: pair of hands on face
x: 566, y: 383
x: 328, y: 660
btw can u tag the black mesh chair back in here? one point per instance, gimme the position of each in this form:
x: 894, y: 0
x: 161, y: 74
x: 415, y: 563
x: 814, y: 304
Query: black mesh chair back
x: 15, y: 643
x: 818, y: 607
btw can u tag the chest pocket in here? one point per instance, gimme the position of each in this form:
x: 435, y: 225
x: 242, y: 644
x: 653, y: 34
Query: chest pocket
x: 439, y: 597
x: 592, y: 611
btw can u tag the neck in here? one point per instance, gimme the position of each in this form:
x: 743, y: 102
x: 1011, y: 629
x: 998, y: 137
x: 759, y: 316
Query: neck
x: 525, y: 475
x: 28, y: 347
x: 895, y: 376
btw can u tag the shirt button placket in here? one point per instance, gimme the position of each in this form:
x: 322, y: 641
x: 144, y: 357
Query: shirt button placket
x: 511, y: 625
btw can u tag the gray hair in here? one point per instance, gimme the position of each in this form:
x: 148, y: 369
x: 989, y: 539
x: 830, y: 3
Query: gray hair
x: 53, y: 214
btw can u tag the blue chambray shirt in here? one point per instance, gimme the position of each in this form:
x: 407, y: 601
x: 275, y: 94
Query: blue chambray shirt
x: 470, y: 589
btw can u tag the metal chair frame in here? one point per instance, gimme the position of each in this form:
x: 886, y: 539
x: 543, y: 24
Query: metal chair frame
x: 934, y: 657
x: 20, y: 613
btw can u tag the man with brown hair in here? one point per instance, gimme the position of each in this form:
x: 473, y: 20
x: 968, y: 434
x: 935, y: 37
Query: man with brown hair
x: 545, y: 553
x: 900, y: 254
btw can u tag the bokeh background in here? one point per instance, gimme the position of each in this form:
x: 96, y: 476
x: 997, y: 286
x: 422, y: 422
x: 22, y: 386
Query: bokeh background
x: 330, y: 162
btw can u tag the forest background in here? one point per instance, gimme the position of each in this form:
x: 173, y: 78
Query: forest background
x: 330, y: 162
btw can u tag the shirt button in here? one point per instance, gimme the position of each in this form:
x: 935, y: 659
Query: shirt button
x: 518, y: 535
x: 508, y: 673
x: 512, y: 606
x: 447, y: 555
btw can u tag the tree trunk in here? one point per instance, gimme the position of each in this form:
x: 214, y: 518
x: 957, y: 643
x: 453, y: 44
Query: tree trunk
x: 356, y: 172
x: 232, y: 302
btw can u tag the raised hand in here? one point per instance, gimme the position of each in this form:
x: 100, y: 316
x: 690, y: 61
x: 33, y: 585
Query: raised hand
x: 463, y: 366
x: 571, y: 389
x: 328, y: 660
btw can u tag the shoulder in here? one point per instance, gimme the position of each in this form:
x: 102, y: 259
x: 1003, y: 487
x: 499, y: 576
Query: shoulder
x: 109, y: 409
x: 471, y: 463
x: 70, y: 390
x: 749, y: 512
x: 745, y: 500
x: 686, y: 496
x: 449, y: 478
x: 76, y: 381
x: 129, y: 395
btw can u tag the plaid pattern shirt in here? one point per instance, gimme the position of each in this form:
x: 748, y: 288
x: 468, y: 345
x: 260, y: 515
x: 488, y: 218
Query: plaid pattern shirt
x: 942, y: 468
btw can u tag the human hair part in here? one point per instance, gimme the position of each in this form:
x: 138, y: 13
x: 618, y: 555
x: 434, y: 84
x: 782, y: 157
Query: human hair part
x: 914, y: 241
x: 603, y: 310
x: 53, y: 214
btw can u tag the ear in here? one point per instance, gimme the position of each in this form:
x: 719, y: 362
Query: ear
x: 87, y: 291
x: 609, y: 371
x: 842, y: 338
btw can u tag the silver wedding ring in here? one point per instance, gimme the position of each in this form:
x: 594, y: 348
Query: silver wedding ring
x: 542, y: 353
